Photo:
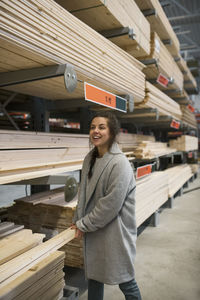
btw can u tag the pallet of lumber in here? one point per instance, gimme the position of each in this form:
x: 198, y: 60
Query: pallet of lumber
x: 109, y: 16
x: 160, y: 61
x: 129, y: 141
x: 194, y: 168
x: 160, y: 101
x: 48, y: 213
x: 18, y: 265
x: 188, y: 117
x: 181, y: 96
x: 50, y: 35
x: 184, y: 143
x: 160, y: 24
x: 39, y: 278
x: 26, y: 155
x: 189, y: 80
x: 149, y: 150
x: 151, y: 193
x: 177, y: 177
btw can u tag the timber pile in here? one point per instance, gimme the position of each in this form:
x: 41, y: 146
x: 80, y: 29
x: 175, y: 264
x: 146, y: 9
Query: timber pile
x: 48, y: 213
x: 35, y: 273
x: 129, y: 141
x: 184, y: 143
x: 38, y: 33
x: 164, y: 64
x: 111, y: 14
x: 149, y: 150
x: 26, y: 155
x: 151, y: 193
x: 181, y: 97
x: 188, y: 117
x: 160, y: 24
x: 194, y: 168
x: 157, y: 99
x: 177, y: 177
x: 189, y: 80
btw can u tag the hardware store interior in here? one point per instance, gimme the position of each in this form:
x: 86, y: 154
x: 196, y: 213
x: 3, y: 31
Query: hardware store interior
x: 61, y: 62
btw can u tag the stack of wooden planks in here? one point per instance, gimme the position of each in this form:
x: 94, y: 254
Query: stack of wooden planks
x: 38, y: 33
x: 31, y: 269
x: 163, y: 63
x: 149, y: 150
x: 7, y: 228
x: 129, y: 141
x: 188, y: 117
x: 48, y: 213
x: 184, y: 143
x: 26, y: 155
x: 194, y: 168
x: 107, y: 17
x: 151, y: 193
x: 177, y: 177
x: 157, y: 99
x: 189, y: 80
x: 181, y: 96
x: 160, y: 24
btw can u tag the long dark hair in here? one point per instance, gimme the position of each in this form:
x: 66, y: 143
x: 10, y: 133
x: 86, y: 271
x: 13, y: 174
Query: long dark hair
x: 114, y: 129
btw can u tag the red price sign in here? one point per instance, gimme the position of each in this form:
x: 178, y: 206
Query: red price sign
x: 162, y: 80
x: 102, y: 97
x: 190, y: 155
x: 191, y: 108
x: 175, y: 124
x: 143, y: 171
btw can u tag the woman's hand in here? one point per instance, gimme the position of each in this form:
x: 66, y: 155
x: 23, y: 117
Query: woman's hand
x: 78, y: 233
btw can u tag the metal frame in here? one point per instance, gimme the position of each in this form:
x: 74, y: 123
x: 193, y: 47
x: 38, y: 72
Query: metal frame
x: 3, y: 109
x: 117, y: 32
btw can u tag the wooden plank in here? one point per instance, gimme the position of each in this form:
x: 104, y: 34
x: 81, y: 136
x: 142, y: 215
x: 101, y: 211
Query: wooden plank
x: 19, y: 265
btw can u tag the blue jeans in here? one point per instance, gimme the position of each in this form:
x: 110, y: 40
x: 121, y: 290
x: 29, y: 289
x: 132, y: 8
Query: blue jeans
x: 129, y: 289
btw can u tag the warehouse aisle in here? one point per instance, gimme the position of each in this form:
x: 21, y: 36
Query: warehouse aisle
x: 168, y: 256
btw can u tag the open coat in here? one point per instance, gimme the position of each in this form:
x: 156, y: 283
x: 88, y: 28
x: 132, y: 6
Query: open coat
x: 106, y: 213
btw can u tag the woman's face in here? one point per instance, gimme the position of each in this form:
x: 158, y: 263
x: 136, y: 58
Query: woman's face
x: 100, y: 133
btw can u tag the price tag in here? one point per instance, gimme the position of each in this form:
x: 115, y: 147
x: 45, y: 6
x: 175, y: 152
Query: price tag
x: 143, y: 171
x: 102, y: 97
x: 191, y: 108
x: 175, y: 124
x: 162, y: 80
x: 190, y: 155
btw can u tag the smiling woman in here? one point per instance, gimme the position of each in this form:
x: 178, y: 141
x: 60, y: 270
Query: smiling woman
x: 105, y: 215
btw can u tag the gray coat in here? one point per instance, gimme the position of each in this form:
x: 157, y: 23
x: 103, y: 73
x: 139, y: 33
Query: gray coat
x: 106, y: 213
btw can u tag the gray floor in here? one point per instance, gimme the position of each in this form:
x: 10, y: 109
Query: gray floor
x: 168, y: 256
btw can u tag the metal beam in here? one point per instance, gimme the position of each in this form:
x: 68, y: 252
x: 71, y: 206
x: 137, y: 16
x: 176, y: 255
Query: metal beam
x: 117, y: 32
x: 181, y: 6
x: 176, y: 18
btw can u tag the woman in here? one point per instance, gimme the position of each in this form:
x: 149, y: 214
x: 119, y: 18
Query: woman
x: 105, y: 213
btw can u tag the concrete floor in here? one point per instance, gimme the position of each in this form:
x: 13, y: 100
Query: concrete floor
x: 168, y: 256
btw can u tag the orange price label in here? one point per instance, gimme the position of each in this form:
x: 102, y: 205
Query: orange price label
x: 191, y: 108
x: 102, y: 97
x: 143, y: 171
x: 175, y: 124
x: 162, y: 80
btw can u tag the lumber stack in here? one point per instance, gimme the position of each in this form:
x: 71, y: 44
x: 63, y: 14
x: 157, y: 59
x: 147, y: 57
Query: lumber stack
x: 163, y: 63
x: 151, y: 193
x: 44, y: 280
x: 7, y: 228
x: 161, y: 25
x: 189, y: 80
x: 181, y: 96
x: 194, y: 168
x: 39, y: 33
x: 156, y: 99
x: 129, y: 141
x: 149, y: 150
x: 48, y: 213
x: 107, y: 16
x: 188, y: 117
x: 26, y: 155
x: 177, y: 177
x: 184, y: 143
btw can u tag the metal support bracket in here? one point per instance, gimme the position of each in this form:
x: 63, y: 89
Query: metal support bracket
x: 167, y: 42
x: 150, y: 61
x: 117, y: 32
x: 3, y: 109
x: 28, y: 75
x: 130, y: 103
x: 155, y: 219
x: 149, y: 12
